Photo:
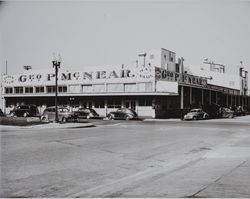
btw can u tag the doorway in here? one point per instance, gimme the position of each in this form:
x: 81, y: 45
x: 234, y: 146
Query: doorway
x: 131, y: 104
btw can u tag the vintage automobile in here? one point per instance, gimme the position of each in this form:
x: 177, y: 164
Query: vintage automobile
x: 227, y: 113
x: 2, y: 113
x: 239, y: 111
x: 64, y: 114
x: 86, y: 113
x: 122, y: 113
x: 25, y: 111
x: 195, y: 114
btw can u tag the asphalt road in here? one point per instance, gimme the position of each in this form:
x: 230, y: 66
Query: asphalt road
x: 154, y: 158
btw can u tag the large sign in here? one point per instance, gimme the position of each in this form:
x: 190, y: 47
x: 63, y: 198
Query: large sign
x: 81, y: 77
x: 187, y: 79
x: 165, y: 75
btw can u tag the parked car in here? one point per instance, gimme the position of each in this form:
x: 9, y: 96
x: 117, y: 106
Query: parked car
x: 86, y: 113
x: 196, y: 114
x: 122, y: 113
x: 227, y: 113
x: 2, y: 113
x: 239, y: 111
x: 64, y: 114
x: 25, y: 111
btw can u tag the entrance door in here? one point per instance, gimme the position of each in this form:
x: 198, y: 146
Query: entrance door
x: 130, y: 104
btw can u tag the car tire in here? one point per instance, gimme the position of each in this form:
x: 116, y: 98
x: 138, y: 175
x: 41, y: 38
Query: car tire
x: 88, y: 117
x: 127, y: 118
x: 63, y: 120
x: 205, y: 116
x: 110, y: 117
x: 194, y: 118
x: 12, y: 114
x: 25, y: 114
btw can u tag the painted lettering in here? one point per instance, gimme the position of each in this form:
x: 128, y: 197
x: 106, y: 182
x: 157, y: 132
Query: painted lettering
x: 113, y: 74
x: 100, y: 74
x: 66, y: 76
x: 22, y: 78
x: 50, y: 75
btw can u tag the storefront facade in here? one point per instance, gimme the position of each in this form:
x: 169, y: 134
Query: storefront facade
x: 150, y: 90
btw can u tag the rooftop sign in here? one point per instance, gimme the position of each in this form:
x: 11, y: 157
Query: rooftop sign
x: 165, y: 75
x: 81, y: 77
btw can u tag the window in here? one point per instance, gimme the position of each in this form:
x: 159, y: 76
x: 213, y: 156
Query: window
x: 115, y: 87
x: 114, y: 103
x: 51, y: 89
x: 99, y: 104
x: 75, y: 88
x: 177, y: 68
x: 130, y: 87
x: 62, y: 89
x: 171, y: 57
x: 28, y: 89
x: 147, y: 86
x: 145, y: 102
x: 18, y: 90
x: 165, y: 57
x: 39, y: 89
x: 99, y: 88
x: 8, y: 90
x: 87, y: 88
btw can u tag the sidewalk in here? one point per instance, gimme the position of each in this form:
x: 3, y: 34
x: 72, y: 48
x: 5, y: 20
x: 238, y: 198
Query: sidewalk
x: 52, y: 126
x: 240, y: 119
x: 60, y: 125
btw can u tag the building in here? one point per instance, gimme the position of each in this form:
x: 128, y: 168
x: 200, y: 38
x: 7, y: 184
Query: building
x: 158, y: 86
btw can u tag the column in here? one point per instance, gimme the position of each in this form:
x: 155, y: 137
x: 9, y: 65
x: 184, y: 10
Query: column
x: 190, y: 96
x: 216, y: 97
x: 210, y: 97
x: 227, y: 99
x: 106, y: 106
x: 182, y: 97
x: 202, y: 97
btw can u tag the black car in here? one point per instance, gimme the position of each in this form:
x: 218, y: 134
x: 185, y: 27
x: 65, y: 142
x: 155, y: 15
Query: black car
x: 1, y: 113
x: 86, y: 113
x: 25, y: 111
x: 122, y: 113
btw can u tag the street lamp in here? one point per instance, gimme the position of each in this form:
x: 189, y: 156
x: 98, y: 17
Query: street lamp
x: 56, y: 64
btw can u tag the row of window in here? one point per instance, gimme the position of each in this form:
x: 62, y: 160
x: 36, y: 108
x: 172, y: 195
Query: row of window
x: 114, y: 87
x: 40, y: 89
x: 113, y: 103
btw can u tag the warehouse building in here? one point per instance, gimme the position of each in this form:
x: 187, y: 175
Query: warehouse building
x: 157, y: 86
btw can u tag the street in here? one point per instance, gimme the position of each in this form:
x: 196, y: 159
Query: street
x: 152, y: 158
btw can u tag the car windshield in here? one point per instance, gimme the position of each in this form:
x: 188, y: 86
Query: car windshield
x: 23, y: 107
x: 194, y: 110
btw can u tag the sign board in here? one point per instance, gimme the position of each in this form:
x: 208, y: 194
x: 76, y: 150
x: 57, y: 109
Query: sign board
x: 191, y: 80
x: 165, y: 75
x: 121, y: 74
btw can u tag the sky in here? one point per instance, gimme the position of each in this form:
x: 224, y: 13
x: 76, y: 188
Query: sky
x: 101, y: 33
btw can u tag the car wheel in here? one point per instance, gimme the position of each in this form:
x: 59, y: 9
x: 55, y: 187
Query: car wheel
x: 63, y: 120
x: 25, y: 114
x: 205, y: 116
x: 194, y: 118
x: 127, y: 118
x: 110, y: 117
x: 12, y: 114
x: 44, y: 118
x: 88, y: 117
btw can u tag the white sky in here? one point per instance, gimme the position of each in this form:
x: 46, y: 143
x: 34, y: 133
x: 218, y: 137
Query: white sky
x: 114, y: 32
